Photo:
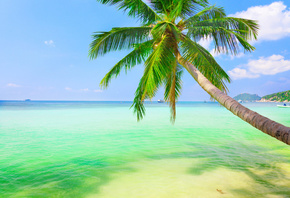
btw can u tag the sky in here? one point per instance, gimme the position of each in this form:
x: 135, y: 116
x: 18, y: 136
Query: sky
x: 44, y: 51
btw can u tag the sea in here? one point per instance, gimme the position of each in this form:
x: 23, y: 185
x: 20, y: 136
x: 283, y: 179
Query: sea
x: 98, y: 149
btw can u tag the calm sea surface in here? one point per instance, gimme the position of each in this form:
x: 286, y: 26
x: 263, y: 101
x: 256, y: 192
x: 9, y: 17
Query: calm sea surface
x: 98, y: 149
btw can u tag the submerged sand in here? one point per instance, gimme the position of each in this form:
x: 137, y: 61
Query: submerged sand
x: 171, y: 178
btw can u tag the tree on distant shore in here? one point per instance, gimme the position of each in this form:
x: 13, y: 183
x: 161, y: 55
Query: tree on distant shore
x: 280, y: 96
x: 167, y: 44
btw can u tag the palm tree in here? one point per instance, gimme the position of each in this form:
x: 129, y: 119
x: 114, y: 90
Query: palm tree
x: 167, y: 43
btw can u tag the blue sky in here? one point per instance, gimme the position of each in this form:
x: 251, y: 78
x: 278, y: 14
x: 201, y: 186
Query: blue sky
x: 44, y: 51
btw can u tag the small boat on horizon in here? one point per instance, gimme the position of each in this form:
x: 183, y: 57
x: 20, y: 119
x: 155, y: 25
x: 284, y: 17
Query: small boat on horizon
x: 160, y: 101
x: 27, y: 100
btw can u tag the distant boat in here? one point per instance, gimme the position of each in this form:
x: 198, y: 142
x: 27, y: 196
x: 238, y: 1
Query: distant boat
x: 27, y: 100
x: 283, y: 106
x: 160, y: 101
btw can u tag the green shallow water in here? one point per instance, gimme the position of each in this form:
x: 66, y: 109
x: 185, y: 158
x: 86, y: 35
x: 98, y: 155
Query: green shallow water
x: 97, y: 149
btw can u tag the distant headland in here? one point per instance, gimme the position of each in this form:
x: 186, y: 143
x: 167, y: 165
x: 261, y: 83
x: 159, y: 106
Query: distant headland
x: 246, y: 97
x: 275, y: 97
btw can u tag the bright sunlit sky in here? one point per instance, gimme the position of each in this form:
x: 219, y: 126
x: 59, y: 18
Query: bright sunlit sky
x: 44, y: 51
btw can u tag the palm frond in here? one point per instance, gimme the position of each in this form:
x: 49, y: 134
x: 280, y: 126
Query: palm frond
x: 157, y: 67
x: 204, y: 62
x: 227, y: 33
x: 245, y: 27
x: 177, y: 8
x: 161, y: 7
x: 117, y: 39
x: 138, y: 104
x: 207, y: 13
x: 137, y: 56
x: 176, y: 33
x: 135, y: 8
x: 159, y: 29
x: 173, y: 85
x: 186, y: 8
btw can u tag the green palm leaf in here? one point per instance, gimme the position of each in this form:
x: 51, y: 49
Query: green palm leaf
x: 117, y: 39
x: 173, y: 9
x: 137, y: 56
x: 186, y: 8
x: 173, y: 85
x: 204, y: 62
x: 157, y: 67
x: 135, y: 8
x: 225, y: 32
x: 210, y: 12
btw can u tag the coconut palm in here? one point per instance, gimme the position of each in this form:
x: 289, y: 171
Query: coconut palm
x: 167, y: 44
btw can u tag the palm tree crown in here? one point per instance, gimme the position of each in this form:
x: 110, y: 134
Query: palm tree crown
x: 167, y: 39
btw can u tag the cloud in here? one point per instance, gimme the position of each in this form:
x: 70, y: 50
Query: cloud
x: 239, y: 73
x: 85, y: 89
x: 239, y: 55
x: 82, y: 90
x: 264, y: 65
x: 98, y: 90
x: 49, y: 43
x: 206, y: 42
x: 273, y: 19
x: 215, y: 54
x: 269, y: 65
x: 12, y: 85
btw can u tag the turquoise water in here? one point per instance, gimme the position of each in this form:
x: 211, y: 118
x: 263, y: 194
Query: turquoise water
x: 97, y: 149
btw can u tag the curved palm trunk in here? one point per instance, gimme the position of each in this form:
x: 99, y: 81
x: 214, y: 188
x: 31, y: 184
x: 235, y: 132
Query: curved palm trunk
x: 262, y: 123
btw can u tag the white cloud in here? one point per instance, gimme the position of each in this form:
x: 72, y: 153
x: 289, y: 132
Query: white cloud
x: 239, y: 55
x: 239, y: 73
x: 98, y: 90
x: 12, y: 85
x: 215, y: 54
x: 264, y: 65
x: 205, y: 42
x: 274, y: 20
x: 269, y: 65
x: 85, y: 90
x: 82, y: 90
x: 49, y: 43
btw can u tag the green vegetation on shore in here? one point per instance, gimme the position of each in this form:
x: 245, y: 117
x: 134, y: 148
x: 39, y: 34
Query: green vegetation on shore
x: 280, y: 96
x: 247, y: 97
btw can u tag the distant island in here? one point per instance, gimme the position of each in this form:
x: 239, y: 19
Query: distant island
x: 277, y: 97
x: 246, y: 97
